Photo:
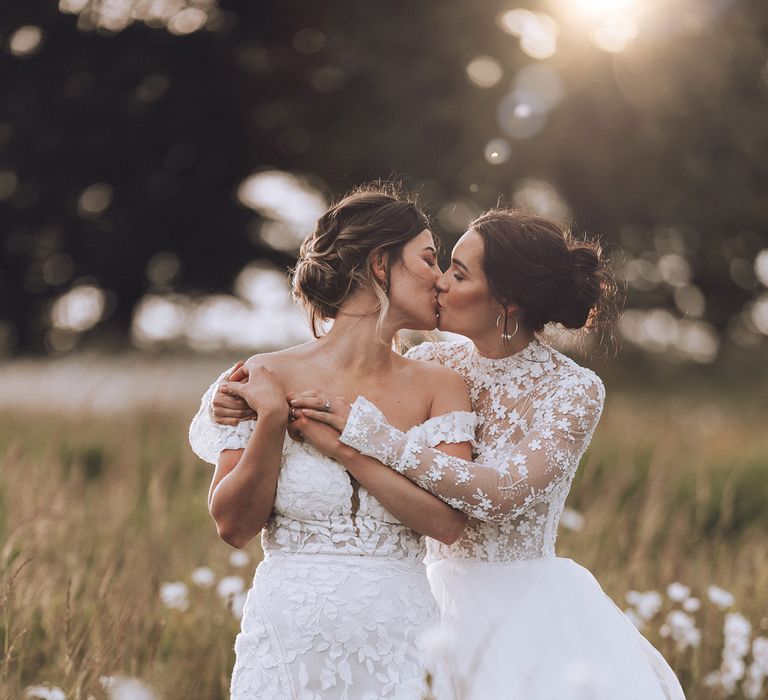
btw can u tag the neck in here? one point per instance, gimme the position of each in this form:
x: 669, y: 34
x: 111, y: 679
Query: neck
x: 493, y: 346
x: 353, y: 343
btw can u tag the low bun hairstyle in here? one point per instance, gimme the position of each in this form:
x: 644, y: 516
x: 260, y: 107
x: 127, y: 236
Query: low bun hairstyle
x: 335, y: 259
x: 536, y: 263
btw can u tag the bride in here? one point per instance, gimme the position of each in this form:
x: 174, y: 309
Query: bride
x: 519, y: 622
x: 341, y: 603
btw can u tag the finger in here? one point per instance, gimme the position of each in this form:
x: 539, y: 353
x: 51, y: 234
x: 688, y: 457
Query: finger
x: 322, y: 417
x: 222, y: 398
x: 238, y: 375
x: 232, y: 389
x: 225, y: 421
x: 294, y: 433
x: 316, y: 402
x: 238, y: 414
x: 301, y: 394
x: 237, y: 366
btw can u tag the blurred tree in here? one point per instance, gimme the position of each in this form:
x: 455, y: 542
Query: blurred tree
x: 115, y: 146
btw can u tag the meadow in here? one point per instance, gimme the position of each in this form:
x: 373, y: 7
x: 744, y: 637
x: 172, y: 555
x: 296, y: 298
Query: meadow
x: 100, y: 510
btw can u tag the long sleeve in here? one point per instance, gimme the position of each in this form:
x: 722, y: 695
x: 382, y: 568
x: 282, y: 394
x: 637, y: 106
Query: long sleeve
x: 548, y: 453
x: 208, y: 438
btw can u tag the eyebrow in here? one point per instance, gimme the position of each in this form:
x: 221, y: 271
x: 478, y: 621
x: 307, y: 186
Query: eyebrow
x: 430, y: 249
x: 460, y: 264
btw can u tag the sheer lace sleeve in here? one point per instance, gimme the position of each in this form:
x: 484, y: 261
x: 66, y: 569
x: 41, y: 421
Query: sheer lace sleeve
x: 548, y: 453
x: 208, y: 438
x: 454, y: 427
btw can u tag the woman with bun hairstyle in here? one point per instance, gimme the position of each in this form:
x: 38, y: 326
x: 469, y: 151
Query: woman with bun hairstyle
x: 518, y: 621
x: 340, y: 603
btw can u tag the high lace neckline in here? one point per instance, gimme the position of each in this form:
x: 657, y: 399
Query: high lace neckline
x: 535, y: 352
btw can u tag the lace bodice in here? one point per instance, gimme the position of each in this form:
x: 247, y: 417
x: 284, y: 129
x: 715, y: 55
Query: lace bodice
x: 318, y: 508
x: 536, y: 413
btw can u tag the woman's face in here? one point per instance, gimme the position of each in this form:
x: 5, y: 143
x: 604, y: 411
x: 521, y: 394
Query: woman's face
x: 412, y: 284
x: 465, y: 302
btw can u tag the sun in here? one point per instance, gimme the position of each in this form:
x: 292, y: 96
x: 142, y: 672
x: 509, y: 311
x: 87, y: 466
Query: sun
x: 598, y: 9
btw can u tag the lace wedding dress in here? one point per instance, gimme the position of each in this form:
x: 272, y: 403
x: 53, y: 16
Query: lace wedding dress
x: 340, y: 605
x: 518, y: 621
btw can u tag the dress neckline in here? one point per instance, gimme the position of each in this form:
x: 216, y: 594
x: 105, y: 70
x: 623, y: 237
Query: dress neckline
x: 534, y: 353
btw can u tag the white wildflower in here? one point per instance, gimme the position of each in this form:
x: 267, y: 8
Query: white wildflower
x: 634, y: 618
x: 230, y: 586
x: 126, y: 688
x: 736, y: 625
x: 678, y: 592
x: 572, y: 520
x: 174, y: 595
x: 737, y: 631
x: 681, y: 627
x: 731, y: 672
x: 646, y: 604
x: 713, y: 680
x: 760, y: 653
x: 720, y: 597
x: 238, y: 604
x: 239, y: 558
x: 45, y: 692
x: 691, y: 605
x: 753, y: 684
x: 203, y: 576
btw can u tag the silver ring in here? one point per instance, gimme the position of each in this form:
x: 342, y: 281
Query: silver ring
x: 327, y: 406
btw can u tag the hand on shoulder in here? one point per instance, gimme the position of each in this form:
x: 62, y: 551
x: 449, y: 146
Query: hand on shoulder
x: 261, y: 386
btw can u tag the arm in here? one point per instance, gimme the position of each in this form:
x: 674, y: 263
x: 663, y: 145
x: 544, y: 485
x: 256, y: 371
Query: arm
x: 409, y: 503
x: 243, y: 488
x: 548, y: 454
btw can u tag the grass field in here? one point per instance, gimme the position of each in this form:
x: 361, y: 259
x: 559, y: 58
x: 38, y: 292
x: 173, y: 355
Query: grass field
x: 99, y: 509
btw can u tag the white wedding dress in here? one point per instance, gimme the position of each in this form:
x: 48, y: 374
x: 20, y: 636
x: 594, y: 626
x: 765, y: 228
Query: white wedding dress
x: 518, y: 621
x: 340, y: 606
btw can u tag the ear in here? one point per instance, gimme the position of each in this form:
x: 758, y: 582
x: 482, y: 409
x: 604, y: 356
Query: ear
x: 511, y: 309
x: 380, y: 265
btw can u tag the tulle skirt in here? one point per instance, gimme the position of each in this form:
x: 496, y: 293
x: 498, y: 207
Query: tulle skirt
x: 542, y: 630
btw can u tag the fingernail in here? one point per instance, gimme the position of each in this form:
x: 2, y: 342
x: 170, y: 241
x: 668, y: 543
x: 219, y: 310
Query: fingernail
x: 293, y: 402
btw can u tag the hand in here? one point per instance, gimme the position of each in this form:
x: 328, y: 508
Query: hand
x: 320, y: 407
x: 228, y: 408
x: 263, y: 392
x: 323, y: 438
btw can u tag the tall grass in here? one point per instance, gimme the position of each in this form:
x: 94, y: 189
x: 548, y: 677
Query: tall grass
x: 97, y: 512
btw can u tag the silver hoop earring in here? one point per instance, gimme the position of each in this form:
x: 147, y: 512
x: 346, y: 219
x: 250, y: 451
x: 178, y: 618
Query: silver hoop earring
x: 505, y: 335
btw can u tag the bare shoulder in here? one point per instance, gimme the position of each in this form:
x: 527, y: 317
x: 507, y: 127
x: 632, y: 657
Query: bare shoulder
x: 440, y: 382
x: 279, y: 360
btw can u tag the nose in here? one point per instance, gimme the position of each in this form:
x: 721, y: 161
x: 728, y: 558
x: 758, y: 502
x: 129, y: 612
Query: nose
x: 443, y: 283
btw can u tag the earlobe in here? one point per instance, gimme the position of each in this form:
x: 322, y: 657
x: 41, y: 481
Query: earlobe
x: 380, y: 267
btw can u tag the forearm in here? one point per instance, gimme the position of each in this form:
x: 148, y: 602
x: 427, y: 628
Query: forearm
x: 524, y: 473
x: 241, y: 502
x: 410, y: 504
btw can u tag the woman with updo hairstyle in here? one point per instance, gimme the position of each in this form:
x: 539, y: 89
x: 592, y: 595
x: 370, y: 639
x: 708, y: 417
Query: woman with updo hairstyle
x: 340, y: 603
x: 337, y: 258
x: 518, y: 621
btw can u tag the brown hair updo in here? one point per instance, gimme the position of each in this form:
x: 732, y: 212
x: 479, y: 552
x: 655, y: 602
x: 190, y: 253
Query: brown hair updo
x: 536, y: 263
x: 335, y: 259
